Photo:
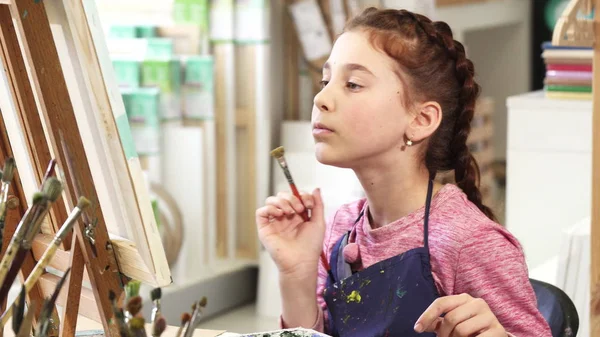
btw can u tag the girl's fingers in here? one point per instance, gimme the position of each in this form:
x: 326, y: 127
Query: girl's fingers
x: 294, y: 202
x: 266, y: 213
x: 281, y: 203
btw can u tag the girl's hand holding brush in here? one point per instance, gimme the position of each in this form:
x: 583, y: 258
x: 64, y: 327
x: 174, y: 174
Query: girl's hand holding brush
x: 294, y: 244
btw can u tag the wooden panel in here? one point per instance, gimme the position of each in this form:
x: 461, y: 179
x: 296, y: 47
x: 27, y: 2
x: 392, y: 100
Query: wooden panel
x: 61, y: 259
x: 56, y: 106
x: 291, y: 73
x: 225, y: 116
x: 246, y: 92
x: 595, y: 231
x: 87, y: 305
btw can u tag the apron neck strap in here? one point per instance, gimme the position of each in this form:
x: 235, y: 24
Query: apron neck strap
x: 426, y: 217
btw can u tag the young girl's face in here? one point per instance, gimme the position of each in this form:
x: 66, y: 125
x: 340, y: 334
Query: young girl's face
x: 358, y: 117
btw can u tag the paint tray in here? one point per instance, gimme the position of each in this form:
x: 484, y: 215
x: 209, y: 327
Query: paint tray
x: 285, y: 333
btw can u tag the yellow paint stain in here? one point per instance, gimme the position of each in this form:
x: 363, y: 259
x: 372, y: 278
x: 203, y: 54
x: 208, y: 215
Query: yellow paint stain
x: 353, y: 297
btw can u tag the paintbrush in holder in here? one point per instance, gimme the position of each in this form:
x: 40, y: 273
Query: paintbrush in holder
x: 52, y: 190
x: 44, y: 261
x: 48, y: 307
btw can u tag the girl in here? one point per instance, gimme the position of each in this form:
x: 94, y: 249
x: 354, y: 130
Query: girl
x: 414, y: 257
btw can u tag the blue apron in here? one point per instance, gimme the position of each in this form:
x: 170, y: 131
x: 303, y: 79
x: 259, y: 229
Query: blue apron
x: 385, y: 299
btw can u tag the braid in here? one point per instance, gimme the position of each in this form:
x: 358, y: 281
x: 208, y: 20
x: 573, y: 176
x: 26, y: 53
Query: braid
x: 466, y: 170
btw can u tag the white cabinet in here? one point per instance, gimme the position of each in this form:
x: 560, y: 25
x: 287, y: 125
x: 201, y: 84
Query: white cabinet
x: 548, y: 170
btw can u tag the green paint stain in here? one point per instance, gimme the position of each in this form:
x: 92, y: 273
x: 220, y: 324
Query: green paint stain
x: 365, y: 283
x: 25, y: 14
x: 400, y: 292
x: 37, y: 1
x: 382, y: 271
x: 353, y: 297
x: 345, y: 320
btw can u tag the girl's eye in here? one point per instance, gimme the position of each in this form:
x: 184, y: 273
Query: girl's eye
x: 353, y: 86
x: 323, y: 83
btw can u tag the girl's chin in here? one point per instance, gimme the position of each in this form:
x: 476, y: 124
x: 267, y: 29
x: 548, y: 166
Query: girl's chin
x: 328, y: 156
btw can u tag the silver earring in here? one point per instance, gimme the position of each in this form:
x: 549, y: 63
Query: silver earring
x: 409, y: 142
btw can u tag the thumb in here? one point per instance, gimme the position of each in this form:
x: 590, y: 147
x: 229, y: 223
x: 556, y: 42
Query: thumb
x: 317, y: 212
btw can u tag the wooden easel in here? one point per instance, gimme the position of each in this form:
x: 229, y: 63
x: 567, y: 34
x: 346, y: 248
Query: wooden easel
x: 27, y: 19
x: 571, y: 31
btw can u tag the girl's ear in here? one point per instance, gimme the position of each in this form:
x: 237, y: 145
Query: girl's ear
x: 425, y: 121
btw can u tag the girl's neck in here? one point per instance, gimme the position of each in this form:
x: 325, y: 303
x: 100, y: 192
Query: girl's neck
x: 393, y: 193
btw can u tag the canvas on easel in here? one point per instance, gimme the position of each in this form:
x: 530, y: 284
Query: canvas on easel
x: 60, y: 100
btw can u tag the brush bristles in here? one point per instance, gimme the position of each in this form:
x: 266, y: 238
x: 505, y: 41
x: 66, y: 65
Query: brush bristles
x: 9, y: 170
x: 203, y: 302
x: 83, y: 203
x: 156, y: 294
x: 160, y: 325
x: 52, y: 188
x: 137, y: 323
x: 1, y: 174
x: 134, y: 305
x: 278, y: 152
x: 38, y: 198
x: 185, y: 318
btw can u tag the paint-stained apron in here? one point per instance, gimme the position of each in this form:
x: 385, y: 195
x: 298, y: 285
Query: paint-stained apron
x: 385, y: 299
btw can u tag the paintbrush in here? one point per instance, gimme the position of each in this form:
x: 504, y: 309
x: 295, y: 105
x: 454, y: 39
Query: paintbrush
x: 119, y: 315
x: 155, y: 296
x: 189, y: 328
x: 196, y: 311
x: 18, y: 237
x: 46, y: 313
x: 19, y: 308
x: 279, y: 154
x: 52, y: 189
x: 185, y: 319
x: 159, y: 326
x: 137, y: 326
x: 134, y: 305
x: 39, y: 268
x: 5, y: 178
x: 27, y: 324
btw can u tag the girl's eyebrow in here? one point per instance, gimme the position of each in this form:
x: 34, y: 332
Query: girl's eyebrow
x: 350, y: 67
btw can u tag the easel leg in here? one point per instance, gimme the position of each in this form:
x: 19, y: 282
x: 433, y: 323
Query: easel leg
x: 69, y: 319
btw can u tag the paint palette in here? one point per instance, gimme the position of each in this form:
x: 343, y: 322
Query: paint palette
x: 288, y: 333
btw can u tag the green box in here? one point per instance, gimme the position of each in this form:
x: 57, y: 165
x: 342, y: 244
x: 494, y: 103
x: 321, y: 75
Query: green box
x: 191, y: 11
x: 127, y: 72
x: 198, y: 90
x: 146, y: 31
x: 142, y: 106
x: 164, y: 74
x: 122, y: 31
x: 159, y: 48
x: 199, y: 69
x: 143, y: 115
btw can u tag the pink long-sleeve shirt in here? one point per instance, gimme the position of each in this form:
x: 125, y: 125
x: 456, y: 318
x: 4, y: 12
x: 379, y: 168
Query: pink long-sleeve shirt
x: 469, y: 254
